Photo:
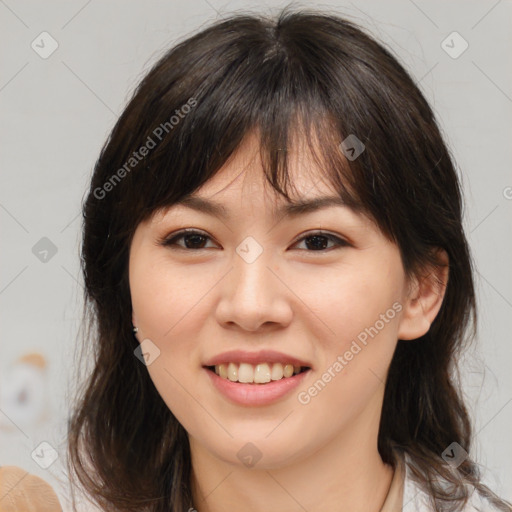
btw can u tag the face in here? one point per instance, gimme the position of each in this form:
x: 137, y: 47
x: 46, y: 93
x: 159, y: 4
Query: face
x: 272, y: 288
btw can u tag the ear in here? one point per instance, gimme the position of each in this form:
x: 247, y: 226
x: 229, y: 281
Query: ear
x: 424, y: 299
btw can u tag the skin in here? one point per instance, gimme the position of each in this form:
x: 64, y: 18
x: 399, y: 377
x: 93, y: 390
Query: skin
x: 196, y: 303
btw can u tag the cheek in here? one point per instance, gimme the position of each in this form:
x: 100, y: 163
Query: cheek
x: 163, y: 295
x: 349, y: 300
x: 359, y: 307
x: 360, y: 310
x: 166, y: 302
x: 159, y: 301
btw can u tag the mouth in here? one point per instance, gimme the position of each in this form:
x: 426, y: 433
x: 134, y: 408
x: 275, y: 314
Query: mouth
x: 256, y: 374
x: 256, y: 385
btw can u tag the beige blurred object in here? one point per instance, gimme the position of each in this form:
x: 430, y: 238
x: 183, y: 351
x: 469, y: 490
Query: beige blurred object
x: 33, y: 358
x: 21, y: 491
x: 24, y: 393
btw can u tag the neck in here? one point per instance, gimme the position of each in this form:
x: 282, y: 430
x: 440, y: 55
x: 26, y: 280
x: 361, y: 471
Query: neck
x: 346, y: 474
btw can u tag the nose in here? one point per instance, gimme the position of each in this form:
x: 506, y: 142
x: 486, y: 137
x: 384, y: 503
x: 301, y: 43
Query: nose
x: 254, y: 296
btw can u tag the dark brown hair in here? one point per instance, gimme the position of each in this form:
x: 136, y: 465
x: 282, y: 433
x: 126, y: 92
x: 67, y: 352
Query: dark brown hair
x: 303, y: 75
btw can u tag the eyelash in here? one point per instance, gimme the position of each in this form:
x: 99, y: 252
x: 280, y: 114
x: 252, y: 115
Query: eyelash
x: 170, y: 241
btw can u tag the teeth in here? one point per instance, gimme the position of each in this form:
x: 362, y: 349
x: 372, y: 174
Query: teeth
x: 245, y: 373
x: 223, y: 371
x: 277, y: 371
x: 256, y: 374
x: 262, y: 373
x: 232, y: 372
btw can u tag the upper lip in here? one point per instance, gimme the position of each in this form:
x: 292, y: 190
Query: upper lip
x: 261, y: 356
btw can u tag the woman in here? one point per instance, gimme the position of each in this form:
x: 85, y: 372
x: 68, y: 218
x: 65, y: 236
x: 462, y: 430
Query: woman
x: 289, y: 346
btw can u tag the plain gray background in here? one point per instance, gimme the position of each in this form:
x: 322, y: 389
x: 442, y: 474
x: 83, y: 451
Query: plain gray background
x: 56, y: 112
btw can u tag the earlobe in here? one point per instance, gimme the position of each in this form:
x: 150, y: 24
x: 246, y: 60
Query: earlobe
x: 424, y: 299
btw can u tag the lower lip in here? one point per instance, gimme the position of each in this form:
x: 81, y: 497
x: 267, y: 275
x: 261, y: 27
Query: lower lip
x: 256, y: 394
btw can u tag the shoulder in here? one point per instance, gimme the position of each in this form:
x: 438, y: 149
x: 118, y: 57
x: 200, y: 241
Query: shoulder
x: 416, y: 499
x: 21, y: 490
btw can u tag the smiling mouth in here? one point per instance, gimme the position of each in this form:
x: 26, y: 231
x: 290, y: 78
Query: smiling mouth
x: 262, y: 373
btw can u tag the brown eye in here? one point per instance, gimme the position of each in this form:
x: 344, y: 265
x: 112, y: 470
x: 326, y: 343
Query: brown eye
x: 318, y: 241
x: 193, y: 240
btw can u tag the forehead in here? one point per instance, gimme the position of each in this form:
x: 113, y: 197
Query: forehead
x: 235, y: 189
x: 241, y: 187
x: 243, y: 175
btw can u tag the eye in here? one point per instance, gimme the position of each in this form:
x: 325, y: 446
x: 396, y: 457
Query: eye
x: 192, y: 238
x: 318, y: 241
x: 195, y: 240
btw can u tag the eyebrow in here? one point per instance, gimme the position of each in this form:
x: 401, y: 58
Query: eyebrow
x: 290, y: 209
